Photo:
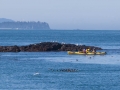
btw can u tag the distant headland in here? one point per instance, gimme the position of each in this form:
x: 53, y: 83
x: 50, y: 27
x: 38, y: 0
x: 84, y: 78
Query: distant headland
x: 23, y: 25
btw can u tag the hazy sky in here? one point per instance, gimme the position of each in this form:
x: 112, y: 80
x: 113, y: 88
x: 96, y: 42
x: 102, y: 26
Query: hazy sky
x: 65, y: 14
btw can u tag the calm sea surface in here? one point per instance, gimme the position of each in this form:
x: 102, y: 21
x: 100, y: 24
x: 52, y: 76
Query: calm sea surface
x: 45, y: 70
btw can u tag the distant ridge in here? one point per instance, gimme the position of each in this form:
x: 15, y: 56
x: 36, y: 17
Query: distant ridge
x: 23, y: 25
x: 5, y: 20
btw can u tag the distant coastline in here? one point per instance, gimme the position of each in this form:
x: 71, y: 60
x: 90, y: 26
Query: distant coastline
x: 8, y: 24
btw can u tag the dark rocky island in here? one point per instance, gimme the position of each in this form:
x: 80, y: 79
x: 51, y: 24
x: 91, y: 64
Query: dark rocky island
x: 46, y: 46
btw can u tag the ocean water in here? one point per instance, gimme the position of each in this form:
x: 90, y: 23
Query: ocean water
x: 47, y: 70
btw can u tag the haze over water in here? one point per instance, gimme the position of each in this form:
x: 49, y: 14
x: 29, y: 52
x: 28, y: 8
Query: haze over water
x: 65, y: 14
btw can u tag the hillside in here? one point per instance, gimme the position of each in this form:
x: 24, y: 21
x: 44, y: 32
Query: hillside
x: 20, y: 25
x: 5, y: 20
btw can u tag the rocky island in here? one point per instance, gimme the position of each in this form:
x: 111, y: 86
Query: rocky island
x: 46, y: 46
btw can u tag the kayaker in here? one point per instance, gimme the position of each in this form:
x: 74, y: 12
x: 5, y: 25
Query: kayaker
x: 94, y: 51
x: 84, y: 50
x: 87, y: 50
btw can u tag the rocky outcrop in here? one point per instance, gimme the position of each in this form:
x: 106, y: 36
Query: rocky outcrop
x: 46, y: 46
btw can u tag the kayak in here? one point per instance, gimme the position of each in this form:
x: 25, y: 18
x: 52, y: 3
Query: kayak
x: 89, y: 53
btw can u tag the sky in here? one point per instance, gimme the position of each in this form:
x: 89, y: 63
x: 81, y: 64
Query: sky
x: 65, y: 14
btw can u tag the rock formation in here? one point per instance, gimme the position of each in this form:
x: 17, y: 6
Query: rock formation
x: 45, y: 46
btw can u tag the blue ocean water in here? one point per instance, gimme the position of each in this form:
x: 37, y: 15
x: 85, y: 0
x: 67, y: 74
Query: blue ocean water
x: 42, y: 70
